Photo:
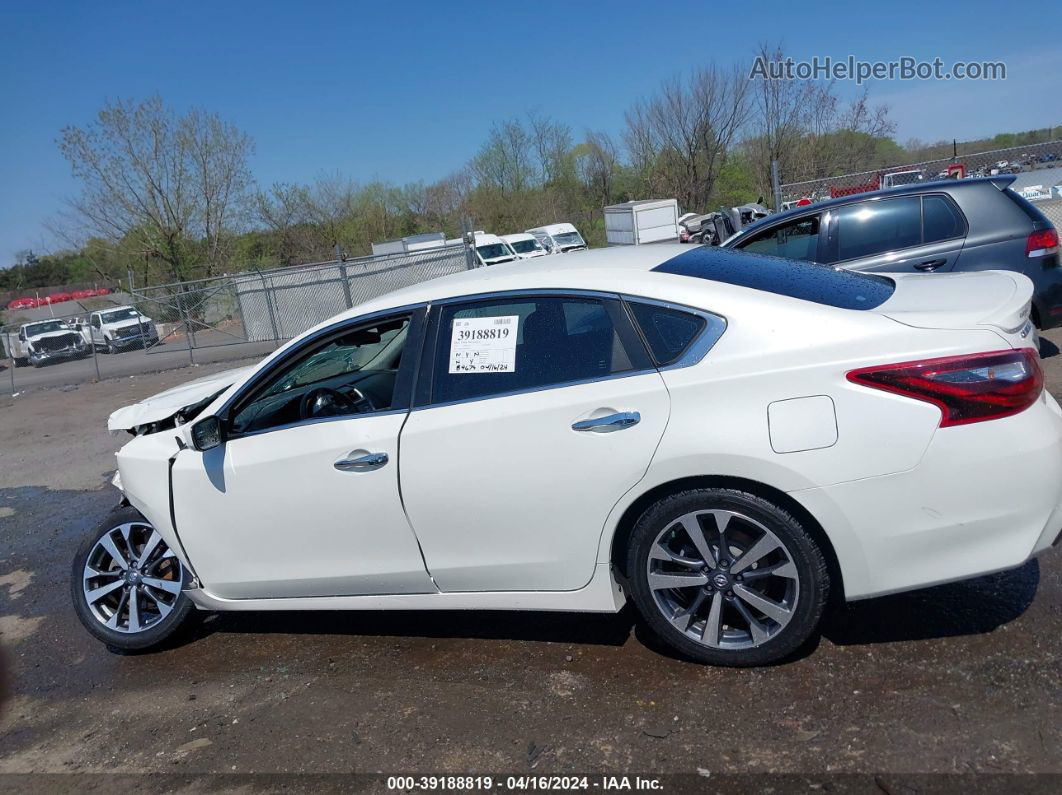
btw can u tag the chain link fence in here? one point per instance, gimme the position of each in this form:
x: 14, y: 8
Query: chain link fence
x: 224, y: 318
x: 1037, y: 171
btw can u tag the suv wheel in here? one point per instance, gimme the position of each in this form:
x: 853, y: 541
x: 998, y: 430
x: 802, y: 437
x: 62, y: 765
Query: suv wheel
x: 111, y: 347
x: 726, y: 577
x: 127, y: 583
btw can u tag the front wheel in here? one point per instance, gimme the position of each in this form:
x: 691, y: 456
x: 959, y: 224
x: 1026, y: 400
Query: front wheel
x: 127, y: 584
x: 111, y: 347
x: 726, y: 577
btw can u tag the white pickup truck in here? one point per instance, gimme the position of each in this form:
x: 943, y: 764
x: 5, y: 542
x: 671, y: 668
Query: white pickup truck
x: 44, y: 341
x: 118, y: 329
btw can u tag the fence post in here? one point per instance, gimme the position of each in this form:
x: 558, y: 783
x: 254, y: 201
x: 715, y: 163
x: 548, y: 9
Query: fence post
x: 95, y: 357
x: 470, y: 242
x: 346, y: 283
x: 776, y: 187
x: 187, y: 324
x: 267, y: 297
x: 11, y: 359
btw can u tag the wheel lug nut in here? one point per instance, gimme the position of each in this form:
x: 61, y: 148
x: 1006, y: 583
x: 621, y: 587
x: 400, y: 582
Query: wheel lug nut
x: 724, y: 563
x: 730, y: 594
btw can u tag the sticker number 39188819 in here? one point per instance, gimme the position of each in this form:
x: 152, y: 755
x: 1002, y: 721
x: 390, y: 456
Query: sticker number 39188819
x: 484, y: 345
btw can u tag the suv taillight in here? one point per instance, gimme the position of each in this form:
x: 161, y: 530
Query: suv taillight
x: 972, y: 388
x: 1042, y: 243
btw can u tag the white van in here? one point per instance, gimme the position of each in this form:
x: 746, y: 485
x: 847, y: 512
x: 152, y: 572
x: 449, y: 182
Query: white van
x: 492, y: 250
x: 558, y: 238
x: 525, y: 246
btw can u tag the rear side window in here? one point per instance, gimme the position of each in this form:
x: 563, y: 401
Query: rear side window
x: 807, y: 281
x: 513, y: 344
x: 940, y: 220
x: 667, y: 331
x: 875, y: 227
x: 798, y: 239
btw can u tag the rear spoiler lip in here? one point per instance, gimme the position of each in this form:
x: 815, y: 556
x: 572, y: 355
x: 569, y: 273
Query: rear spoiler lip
x: 1003, y: 181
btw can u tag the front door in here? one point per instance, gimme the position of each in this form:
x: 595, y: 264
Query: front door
x: 303, y: 498
x: 542, y: 412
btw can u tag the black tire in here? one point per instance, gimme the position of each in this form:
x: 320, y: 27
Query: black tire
x: 812, y: 577
x: 153, y: 635
x: 21, y: 362
x: 111, y: 347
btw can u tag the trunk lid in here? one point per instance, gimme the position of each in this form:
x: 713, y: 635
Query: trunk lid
x: 997, y: 299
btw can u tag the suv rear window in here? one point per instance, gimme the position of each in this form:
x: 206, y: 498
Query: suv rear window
x: 808, y: 281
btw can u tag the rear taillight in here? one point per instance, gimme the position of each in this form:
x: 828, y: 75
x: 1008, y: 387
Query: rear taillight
x: 972, y: 388
x: 1042, y: 243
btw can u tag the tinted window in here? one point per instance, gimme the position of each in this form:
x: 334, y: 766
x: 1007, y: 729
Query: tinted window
x: 516, y: 344
x: 875, y: 227
x: 807, y: 281
x: 353, y: 373
x: 797, y: 239
x: 667, y: 331
x: 940, y: 220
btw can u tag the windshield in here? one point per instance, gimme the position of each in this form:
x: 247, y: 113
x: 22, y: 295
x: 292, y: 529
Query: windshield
x: 44, y: 328
x: 526, y: 246
x: 569, y: 239
x: 493, y: 251
x: 119, y: 314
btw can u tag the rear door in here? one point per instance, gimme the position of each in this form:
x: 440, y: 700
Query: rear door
x: 903, y: 234
x: 535, y: 414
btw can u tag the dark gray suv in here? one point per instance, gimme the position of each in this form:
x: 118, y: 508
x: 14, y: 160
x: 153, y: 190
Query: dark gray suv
x: 952, y: 225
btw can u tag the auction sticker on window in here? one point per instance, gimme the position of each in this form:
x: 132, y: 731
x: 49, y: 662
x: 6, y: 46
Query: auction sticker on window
x: 484, y: 345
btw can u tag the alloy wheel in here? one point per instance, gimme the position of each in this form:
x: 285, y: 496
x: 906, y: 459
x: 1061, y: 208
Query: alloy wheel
x: 132, y: 580
x: 723, y: 579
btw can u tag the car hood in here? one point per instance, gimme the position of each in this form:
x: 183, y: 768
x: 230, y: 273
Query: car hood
x: 132, y: 321
x: 166, y: 404
x: 50, y: 334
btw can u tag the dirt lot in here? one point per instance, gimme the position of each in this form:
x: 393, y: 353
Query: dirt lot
x: 959, y: 679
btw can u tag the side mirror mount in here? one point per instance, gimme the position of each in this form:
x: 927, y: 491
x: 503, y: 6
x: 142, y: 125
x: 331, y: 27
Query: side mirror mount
x: 207, y: 434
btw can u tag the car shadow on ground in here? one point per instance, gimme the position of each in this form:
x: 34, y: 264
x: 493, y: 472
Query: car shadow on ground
x: 549, y: 627
x: 1047, y: 348
x: 972, y: 607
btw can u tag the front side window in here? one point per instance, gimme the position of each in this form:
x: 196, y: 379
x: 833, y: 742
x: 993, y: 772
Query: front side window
x: 798, y: 239
x: 353, y: 372
x: 875, y: 227
x: 512, y: 344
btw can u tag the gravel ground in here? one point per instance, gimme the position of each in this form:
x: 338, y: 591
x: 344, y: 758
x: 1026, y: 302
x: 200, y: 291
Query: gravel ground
x: 960, y: 679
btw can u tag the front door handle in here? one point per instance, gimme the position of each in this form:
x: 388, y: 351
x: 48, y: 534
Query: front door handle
x: 362, y: 463
x: 930, y: 265
x: 612, y: 422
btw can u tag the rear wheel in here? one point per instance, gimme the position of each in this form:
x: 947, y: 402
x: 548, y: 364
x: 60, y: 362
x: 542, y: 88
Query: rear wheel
x: 726, y: 577
x: 127, y: 583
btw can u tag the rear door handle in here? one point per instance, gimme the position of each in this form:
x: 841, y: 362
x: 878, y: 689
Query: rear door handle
x: 612, y: 422
x: 362, y: 463
x: 930, y: 265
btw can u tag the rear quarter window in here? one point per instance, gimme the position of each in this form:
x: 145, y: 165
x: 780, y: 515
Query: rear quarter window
x: 807, y: 281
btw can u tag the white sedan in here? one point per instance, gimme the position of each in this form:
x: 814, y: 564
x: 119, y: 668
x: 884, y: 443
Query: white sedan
x: 730, y: 441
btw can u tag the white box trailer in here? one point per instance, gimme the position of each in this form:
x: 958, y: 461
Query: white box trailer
x: 637, y: 222
x: 409, y: 243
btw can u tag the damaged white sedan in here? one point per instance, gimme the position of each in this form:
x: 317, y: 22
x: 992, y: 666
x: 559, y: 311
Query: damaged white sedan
x: 725, y: 439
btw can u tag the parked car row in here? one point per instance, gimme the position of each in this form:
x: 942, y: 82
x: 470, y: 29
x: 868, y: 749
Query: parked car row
x: 111, y: 330
x: 56, y: 298
x: 538, y: 242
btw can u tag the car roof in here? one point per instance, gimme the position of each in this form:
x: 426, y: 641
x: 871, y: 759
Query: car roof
x: 648, y: 271
x: 1000, y: 182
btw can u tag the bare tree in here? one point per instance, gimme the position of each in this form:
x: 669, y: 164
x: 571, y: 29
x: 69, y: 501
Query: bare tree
x: 175, y: 186
x: 678, y: 138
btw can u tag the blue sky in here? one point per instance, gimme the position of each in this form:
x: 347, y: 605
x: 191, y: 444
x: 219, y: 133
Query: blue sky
x: 407, y: 91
